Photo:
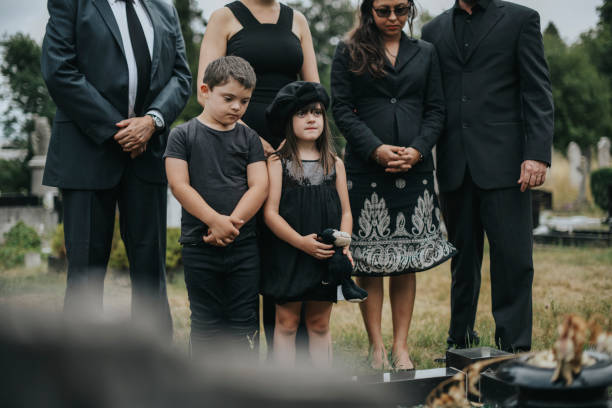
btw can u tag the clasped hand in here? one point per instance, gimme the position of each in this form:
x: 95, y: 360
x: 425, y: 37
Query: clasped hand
x: 223, y: 230
x: 396, y: 159
x: 134, y: 133
x: 533, y: 174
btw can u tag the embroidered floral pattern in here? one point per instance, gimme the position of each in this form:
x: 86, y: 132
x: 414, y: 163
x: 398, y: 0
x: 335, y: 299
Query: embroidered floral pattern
x: 377, y: 250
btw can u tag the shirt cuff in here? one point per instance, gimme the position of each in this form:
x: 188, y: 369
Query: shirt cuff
x: 158, y: 114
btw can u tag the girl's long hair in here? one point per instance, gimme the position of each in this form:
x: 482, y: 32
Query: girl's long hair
x: 289, y: 151
x: 365, y: 44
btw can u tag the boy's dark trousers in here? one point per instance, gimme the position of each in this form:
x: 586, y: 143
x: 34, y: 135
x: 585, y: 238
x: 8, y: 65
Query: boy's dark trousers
x: 223, y: 286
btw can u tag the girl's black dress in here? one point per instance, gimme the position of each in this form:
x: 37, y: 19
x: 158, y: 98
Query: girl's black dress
x: 274, y: 52
x: 310, y: 204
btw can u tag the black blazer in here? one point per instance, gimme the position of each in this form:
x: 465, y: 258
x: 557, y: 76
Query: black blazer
x: 404, y: 108
x: 84, y: 66
x: 498, y: 100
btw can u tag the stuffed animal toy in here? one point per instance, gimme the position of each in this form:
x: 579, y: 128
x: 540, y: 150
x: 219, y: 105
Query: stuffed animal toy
x: 339, y: 268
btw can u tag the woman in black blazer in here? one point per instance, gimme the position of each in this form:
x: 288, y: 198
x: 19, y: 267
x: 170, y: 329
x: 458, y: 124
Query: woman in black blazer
x: 389, y: 104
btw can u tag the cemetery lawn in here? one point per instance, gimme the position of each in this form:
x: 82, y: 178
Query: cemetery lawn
x: 567, y: 280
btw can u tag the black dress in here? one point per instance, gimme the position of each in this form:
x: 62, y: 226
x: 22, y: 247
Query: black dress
x: 274, y: 52
x: 309, y: 203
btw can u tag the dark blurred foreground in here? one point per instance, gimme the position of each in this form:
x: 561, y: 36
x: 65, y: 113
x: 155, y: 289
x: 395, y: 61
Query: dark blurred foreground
x: 48, y: 361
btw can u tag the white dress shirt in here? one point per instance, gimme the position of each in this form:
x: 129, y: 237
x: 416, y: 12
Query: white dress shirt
x: 118, y: 7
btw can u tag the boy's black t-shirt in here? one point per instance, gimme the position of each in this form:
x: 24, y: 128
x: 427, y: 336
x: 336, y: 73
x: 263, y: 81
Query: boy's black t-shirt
x: 217, y: 162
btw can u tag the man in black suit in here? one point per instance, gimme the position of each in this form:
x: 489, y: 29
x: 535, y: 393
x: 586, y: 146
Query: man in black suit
x: 495, y: 147
x: 118, y: 73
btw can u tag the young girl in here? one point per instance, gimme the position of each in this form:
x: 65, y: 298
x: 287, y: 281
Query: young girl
x: 308, y: 194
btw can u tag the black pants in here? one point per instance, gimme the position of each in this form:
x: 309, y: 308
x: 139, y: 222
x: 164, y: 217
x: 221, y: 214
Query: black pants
x: 505, y: 216
x: 89, y: 218
x: 223, y: 285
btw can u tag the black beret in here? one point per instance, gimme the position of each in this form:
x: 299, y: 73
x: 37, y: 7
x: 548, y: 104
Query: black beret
x: 289, y: 100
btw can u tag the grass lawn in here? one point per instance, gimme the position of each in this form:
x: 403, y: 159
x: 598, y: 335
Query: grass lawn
x: 567, y: 280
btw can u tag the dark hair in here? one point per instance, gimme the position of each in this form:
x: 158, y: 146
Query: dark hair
x: 289, y: 151
x: 365, y: 44
x: 221, y: 70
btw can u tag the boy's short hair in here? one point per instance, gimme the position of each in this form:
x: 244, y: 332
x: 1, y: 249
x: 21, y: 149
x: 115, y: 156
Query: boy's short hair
x: 221, y: 70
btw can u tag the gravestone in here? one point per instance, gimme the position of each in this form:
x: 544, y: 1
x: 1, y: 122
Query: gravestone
x: 40, y: 145
x: 574, y: 155
x: 173, y: 211
x: 603, y: 152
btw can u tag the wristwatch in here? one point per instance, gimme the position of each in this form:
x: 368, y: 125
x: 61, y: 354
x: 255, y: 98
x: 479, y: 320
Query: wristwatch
x: 158, y: 122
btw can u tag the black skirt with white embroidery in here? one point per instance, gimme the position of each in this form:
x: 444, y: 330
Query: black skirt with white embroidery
x: 396, y: 224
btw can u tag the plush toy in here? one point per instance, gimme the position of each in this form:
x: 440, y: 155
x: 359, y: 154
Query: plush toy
x: 339, y: 268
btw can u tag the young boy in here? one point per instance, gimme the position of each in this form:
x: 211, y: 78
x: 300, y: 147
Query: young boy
x: 216, y: 169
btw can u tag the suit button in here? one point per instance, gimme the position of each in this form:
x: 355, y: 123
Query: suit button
x: 464, y: 99
x: 393, y: 100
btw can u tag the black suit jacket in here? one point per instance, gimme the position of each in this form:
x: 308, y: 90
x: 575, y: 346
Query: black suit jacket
x: 404, y: 108
x: 498, y: 99
x: 84, y: 66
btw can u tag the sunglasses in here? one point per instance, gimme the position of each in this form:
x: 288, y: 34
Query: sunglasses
x: 399, y: 11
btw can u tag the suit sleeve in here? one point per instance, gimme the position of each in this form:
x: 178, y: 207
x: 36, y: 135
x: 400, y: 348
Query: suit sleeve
x: 433, y: 110
x: 360, y: 137
x: 69, y: 88
x: 172, y: 99
x: 536, y: 92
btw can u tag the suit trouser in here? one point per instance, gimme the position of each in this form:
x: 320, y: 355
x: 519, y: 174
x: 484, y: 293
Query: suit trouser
x: 505, y: 216
x: 89, y: 218
x: 223, y: 289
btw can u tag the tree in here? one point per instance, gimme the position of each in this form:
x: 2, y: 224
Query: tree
x: 582, y: 98
x: 191, y: 17
x: 329, y: 22
x: 26, y: 89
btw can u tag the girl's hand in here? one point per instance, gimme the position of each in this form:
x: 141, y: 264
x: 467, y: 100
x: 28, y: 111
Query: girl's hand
x: 314, y: 248
x: 346, y: 251
x: 268, y: 149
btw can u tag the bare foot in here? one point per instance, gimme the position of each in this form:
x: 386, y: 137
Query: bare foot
x: 378, y: 358
x: 401, y: 361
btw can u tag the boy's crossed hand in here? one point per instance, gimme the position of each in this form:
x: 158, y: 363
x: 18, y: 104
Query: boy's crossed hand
x: 223, y: 230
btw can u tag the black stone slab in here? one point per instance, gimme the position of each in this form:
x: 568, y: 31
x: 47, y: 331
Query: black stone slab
x: 18, y: 200
x: 405, y: 388
x: 575, y: 238
x: 461, y: 358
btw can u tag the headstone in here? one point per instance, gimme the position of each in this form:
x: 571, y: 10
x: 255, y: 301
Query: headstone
x: 40, y: 144
x: 173, y: 212
x: 32, y: 260
x: 603, y: 152
x: 574, y: 155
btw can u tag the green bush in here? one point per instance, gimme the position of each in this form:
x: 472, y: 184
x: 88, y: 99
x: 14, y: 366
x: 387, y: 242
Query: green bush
x: 174, y: 258
x: 14, y: 176
x: 600, y: 180
x: 19, y: 240
x: 22, y: 236
x: 57, y: 242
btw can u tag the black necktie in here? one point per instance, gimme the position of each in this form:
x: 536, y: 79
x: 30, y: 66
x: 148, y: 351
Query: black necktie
x: 141, y: 54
